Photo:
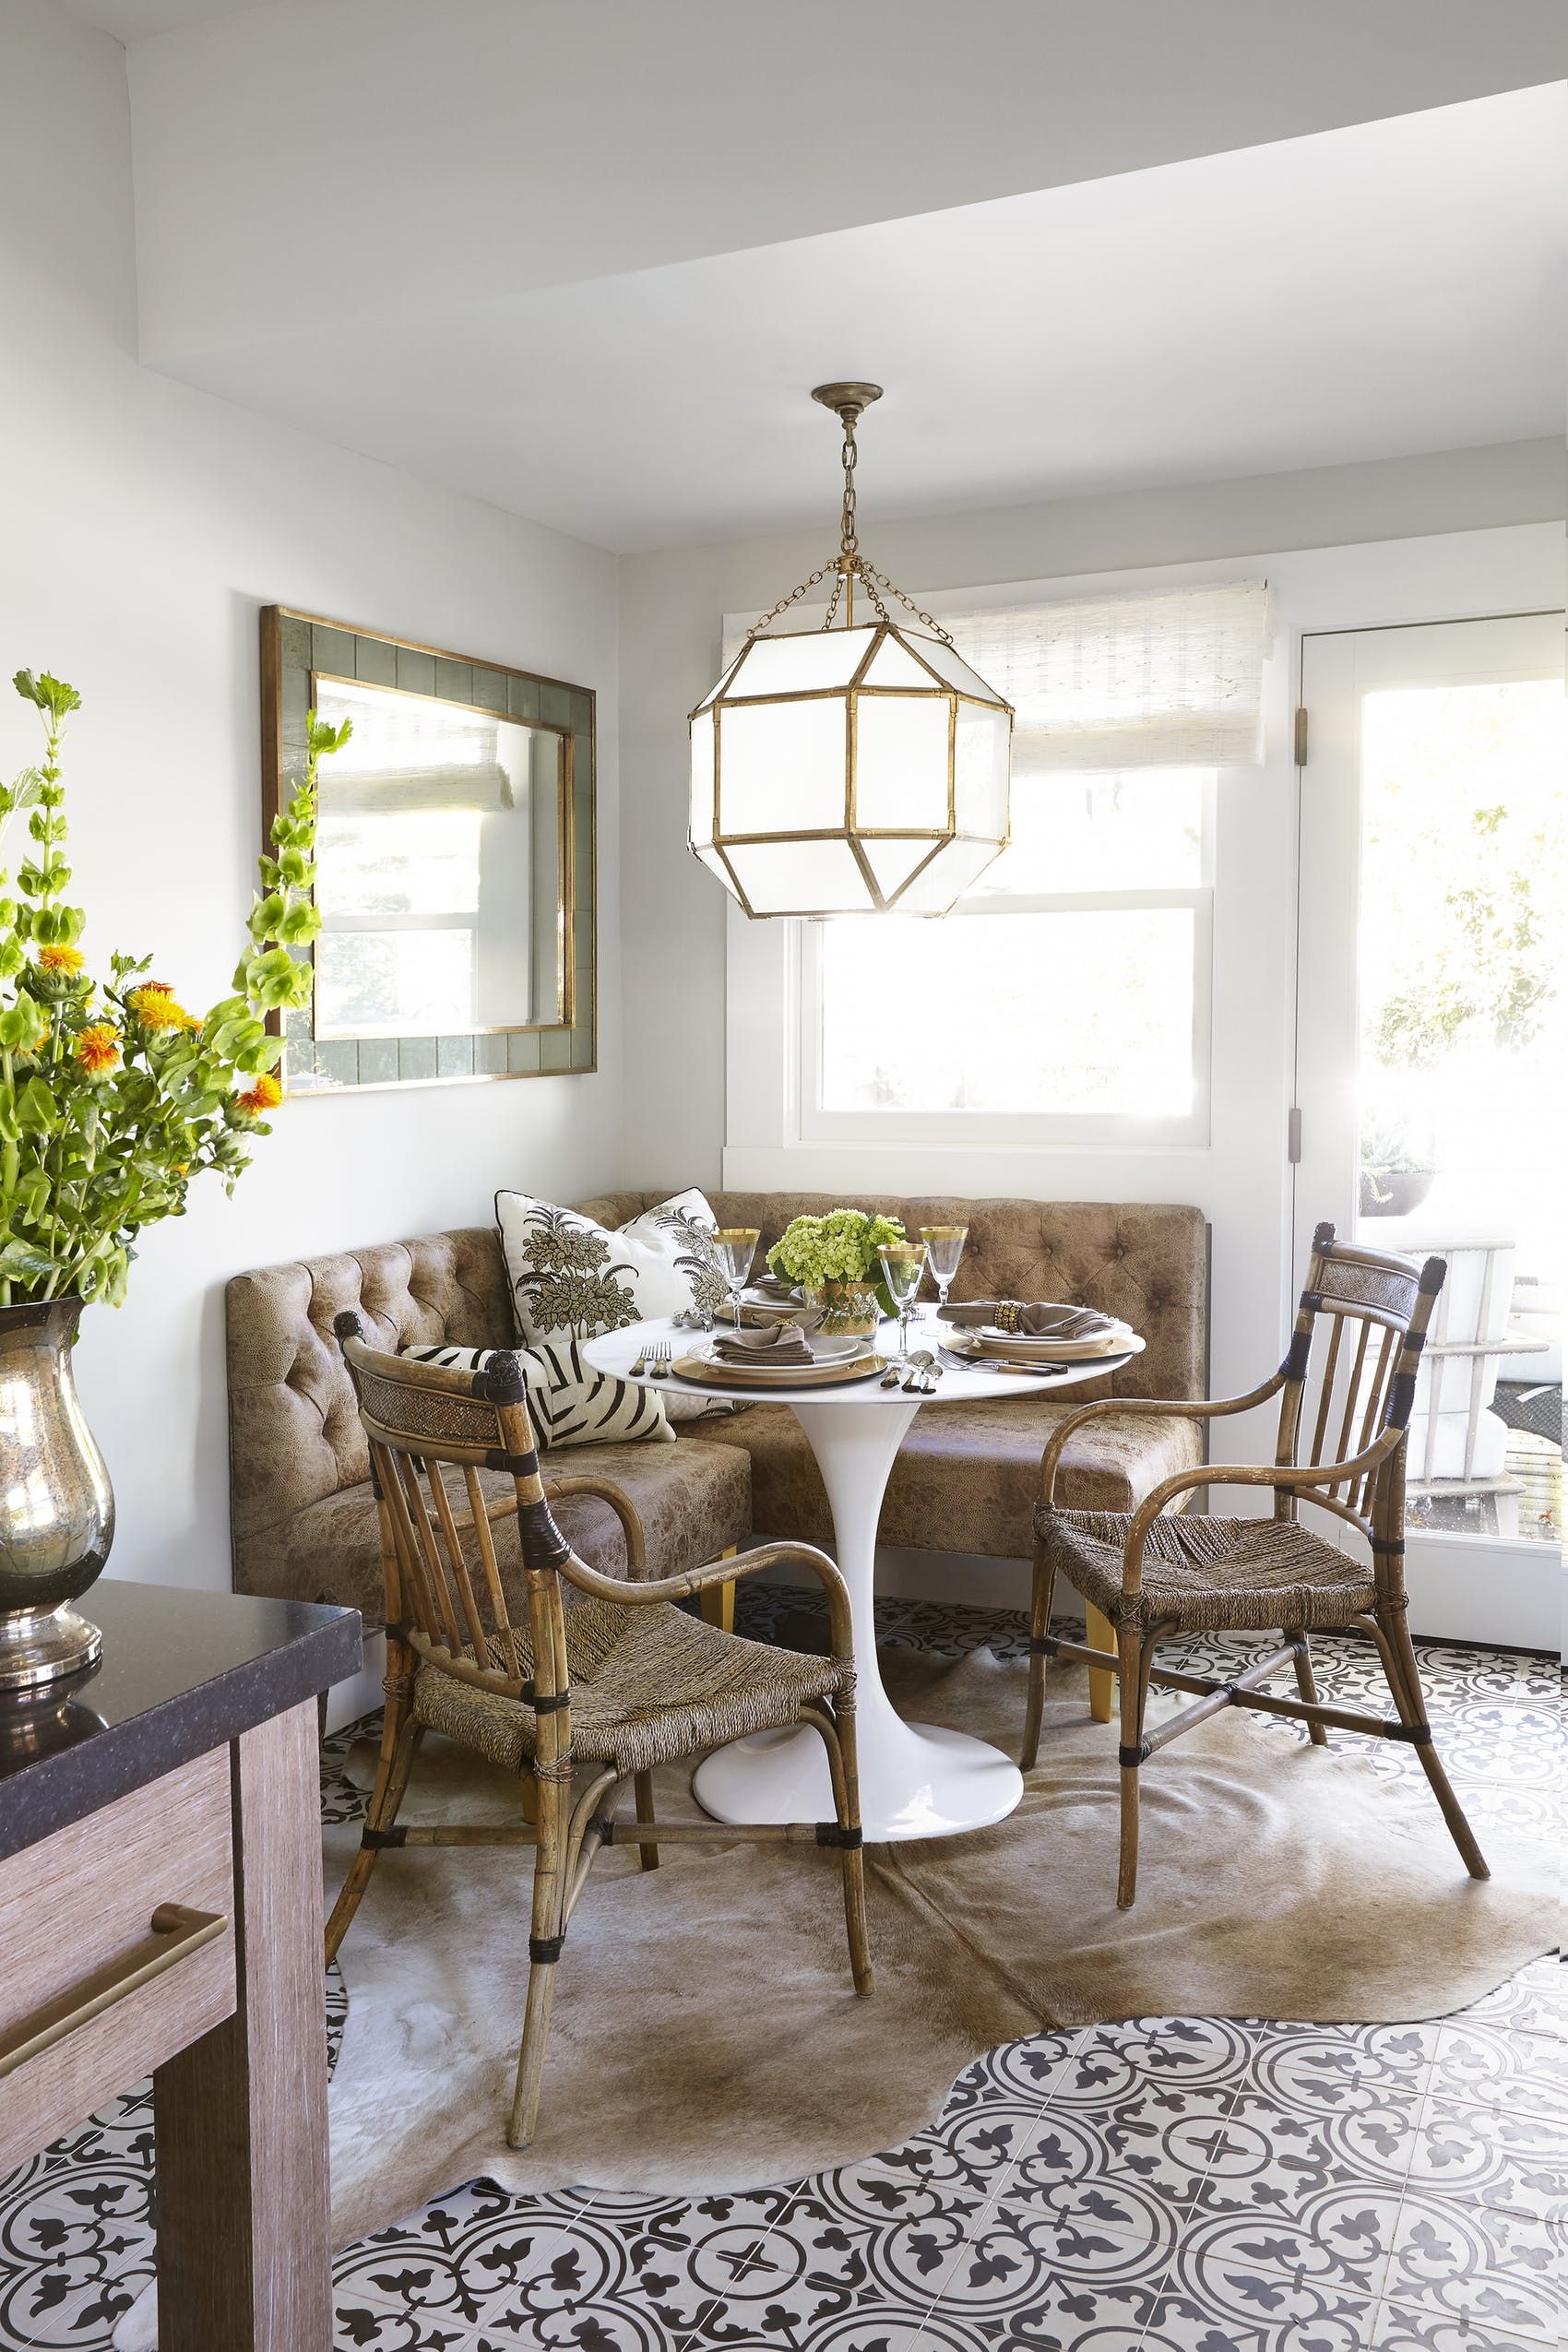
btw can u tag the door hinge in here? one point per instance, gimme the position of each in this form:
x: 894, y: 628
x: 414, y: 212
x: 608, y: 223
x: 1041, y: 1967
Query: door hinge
x: 1293, y: 1137
x: 1301, y: 738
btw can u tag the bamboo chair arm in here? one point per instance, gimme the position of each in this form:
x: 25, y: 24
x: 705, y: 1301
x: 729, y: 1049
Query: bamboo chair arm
x: 1192, y: 1408
x: 504, y: 1506
x: 619, y: 1501
x: 721, y: 1571
x: 1276, y: 1475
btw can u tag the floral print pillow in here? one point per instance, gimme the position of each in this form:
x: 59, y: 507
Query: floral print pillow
x: 571, y: 1279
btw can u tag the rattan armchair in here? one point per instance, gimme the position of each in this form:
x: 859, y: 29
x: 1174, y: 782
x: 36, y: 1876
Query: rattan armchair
x: 1154, y: 1575
x: 577, y: 1700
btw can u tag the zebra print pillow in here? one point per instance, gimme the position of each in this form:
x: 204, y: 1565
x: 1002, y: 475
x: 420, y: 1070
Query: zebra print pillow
x: 569, y: 1403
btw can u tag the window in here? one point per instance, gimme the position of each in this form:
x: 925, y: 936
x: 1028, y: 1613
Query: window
x: 1068, y: 996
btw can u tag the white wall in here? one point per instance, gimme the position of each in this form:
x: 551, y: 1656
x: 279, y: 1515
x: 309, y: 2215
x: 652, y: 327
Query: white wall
x: 143, y: 525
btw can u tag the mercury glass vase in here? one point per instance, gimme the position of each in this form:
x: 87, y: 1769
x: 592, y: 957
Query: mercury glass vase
x: 57, y: 1504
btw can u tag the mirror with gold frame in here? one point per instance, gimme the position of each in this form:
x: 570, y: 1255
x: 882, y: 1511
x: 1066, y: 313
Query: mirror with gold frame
x: 454, y: 864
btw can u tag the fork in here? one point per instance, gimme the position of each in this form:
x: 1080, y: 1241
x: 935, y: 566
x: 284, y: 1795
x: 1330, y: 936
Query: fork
x: 658, y: 1359
x: 996, y: 1364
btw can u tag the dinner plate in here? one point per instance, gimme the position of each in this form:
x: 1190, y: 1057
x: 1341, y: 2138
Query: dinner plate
x: 828, y: 1347
x: 705, y: 1373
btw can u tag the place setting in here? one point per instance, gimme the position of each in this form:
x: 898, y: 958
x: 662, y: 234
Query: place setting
x: 1013, y: 1335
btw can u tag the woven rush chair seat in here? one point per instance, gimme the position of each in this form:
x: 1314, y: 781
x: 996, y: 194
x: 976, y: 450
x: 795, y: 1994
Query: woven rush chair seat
x: 626, y: 1667
x: 1206, y: 1576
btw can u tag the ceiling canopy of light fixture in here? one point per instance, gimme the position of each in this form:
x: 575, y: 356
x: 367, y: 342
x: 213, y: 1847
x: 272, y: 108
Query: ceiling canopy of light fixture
x: 855, y: 767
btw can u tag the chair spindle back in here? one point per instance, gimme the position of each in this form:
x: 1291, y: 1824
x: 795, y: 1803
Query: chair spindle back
x: 446, y: 1596
x: 1350, y: 1376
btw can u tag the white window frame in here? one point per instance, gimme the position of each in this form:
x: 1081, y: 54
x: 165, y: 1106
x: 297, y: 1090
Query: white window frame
x: 806, y: 1122
x: 997, y: 1130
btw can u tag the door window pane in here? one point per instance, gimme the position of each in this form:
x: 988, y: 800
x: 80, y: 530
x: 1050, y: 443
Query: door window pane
x: 1085, y: 1011
x: 1462, y: 1055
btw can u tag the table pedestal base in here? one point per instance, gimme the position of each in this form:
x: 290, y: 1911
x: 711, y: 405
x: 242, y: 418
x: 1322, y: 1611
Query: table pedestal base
x: 917, y: 1780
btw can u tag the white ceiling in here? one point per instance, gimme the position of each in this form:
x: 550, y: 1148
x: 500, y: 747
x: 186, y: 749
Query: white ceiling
x: 584, y: 258
x: 1395, y: 287
x: 137, y: 19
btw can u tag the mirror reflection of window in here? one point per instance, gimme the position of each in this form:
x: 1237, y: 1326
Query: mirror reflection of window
x: 437, y: 867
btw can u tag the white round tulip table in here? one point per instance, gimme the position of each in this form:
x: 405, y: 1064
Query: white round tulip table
x: 916, y: 1779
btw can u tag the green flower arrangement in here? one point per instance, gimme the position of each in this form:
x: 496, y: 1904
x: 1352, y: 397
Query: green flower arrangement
x: 113, y: 1097
x: 840, y: 1247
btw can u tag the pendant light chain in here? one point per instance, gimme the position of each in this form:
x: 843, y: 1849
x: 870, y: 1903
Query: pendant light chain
x: 847, y: 566
x: 848, y: 546
x: 870, y: 574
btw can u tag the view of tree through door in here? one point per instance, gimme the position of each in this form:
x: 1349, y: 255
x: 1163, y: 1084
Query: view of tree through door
x: 1432, y: 1028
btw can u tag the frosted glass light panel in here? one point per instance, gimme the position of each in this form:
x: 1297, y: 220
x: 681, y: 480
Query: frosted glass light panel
x: 438, y: 858
x: 849, y: 771
x: 455, y: 874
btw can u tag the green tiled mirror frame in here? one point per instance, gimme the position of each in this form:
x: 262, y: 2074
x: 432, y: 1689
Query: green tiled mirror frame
x: 295, y: 647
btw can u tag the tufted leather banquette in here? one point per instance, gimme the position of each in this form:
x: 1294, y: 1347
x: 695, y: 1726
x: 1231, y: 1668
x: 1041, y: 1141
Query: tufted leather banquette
x: 304, y: 1521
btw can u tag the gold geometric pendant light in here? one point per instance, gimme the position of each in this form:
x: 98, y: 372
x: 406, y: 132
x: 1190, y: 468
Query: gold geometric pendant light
x: 849, y: 769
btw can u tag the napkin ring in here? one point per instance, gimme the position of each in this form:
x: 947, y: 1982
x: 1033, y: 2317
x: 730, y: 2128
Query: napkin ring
x: 1009, y: 1312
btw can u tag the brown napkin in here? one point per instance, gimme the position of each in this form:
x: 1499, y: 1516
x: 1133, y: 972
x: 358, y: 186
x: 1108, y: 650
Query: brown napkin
x: 780, y: 1343
x: 1041, y: 1321
x: 774, y: 1288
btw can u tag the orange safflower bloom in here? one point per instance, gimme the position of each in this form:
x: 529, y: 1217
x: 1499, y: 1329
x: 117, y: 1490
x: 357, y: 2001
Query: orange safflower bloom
x: 98, y: 1050
x: 61, y: 959
x: 155, y: 1007
x: 266, y: 1095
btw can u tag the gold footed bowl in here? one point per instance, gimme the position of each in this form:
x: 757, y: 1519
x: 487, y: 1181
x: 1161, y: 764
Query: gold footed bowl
x: 849, y: 1310
x: 57, y: 1504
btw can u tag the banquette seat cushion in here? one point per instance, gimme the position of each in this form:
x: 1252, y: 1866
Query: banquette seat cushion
x: 968, y: 1475
x: 304, y: 1519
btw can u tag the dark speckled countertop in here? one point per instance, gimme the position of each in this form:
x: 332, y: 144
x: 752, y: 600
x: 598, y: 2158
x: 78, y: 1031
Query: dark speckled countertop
x: 181, y: 1672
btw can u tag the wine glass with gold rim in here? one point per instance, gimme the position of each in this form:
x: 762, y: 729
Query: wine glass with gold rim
x: 944, y: 1247
x: 903, y: 1264
x: 736, y: 1245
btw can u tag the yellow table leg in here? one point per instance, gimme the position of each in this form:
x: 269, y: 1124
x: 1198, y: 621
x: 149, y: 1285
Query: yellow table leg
x: 1103, y: 1682
x: 718, y: 1603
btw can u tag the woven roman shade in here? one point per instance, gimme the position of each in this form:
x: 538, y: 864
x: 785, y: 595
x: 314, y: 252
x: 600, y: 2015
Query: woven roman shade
x: 1172, y: 678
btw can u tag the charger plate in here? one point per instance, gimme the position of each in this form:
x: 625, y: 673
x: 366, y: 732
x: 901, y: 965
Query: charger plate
x: 1019, y: 1347
x: 982, y: 1341
x: 706, y: 1374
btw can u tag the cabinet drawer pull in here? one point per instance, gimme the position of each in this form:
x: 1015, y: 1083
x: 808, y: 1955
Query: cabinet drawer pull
x: 175, y: 1934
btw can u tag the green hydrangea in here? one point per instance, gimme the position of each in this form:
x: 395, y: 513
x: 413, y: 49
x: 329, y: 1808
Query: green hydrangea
x: 840, y: 1247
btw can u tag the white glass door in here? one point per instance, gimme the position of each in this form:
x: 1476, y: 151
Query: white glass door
x: 1431, y: 1039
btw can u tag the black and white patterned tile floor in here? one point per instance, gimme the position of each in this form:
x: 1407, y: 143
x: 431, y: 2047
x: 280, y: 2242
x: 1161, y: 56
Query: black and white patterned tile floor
x: 1167, y: 2185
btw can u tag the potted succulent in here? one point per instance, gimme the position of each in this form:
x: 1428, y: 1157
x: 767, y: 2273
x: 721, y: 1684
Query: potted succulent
x: 1396, y: 1175
x: 112, y: 1099
x: 833, y: 1260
